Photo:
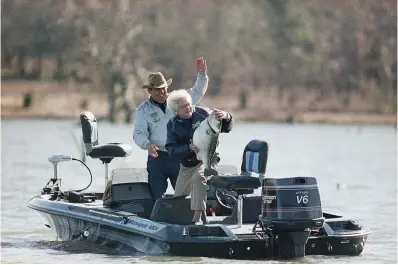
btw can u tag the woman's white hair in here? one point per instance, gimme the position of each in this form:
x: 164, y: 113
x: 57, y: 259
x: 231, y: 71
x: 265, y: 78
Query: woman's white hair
x: 175, y: 97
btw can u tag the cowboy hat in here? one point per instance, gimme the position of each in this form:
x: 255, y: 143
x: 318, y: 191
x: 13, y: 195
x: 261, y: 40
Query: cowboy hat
x: 157, y: 80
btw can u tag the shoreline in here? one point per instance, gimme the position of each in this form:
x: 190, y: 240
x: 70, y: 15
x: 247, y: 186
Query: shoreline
x: 57, y: 101
x: 324, y: 118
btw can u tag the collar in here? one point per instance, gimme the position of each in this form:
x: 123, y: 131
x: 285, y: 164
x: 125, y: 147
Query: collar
x: 156, y: 103
x: 162, y: 106
x: 184, y: 121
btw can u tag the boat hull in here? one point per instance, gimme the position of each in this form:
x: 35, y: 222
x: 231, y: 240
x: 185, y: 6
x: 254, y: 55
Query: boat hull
x: 121, y: 230
x: 329, y: 245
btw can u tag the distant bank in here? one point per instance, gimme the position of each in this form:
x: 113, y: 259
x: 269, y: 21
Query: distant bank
x: 54, y: 101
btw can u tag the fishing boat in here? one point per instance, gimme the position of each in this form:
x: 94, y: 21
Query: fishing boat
x: 284, y: 221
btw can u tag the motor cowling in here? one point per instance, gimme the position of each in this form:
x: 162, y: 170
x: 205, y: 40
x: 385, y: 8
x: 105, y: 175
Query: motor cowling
x: 291, y: 203
x: 290, y: 207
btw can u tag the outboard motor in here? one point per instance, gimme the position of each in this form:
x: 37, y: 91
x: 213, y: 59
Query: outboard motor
x: 290, y: 207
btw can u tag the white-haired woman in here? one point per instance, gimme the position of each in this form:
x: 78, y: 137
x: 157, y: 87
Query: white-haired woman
x: 180, y: 131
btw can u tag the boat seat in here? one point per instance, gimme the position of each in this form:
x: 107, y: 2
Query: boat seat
x: 105, y: 152
x: 110, y: 150
x: 241, y: 184
x: 255, y: 156
x: 254, y: 160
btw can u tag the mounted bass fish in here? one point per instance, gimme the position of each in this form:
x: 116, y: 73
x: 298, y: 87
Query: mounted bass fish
x: 205, y: 138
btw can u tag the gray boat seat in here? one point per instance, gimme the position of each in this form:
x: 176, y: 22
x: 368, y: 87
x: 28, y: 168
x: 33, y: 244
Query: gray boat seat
x: 105, y: 152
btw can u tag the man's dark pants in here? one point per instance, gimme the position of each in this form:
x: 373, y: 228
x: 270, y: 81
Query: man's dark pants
x: 159, y: 170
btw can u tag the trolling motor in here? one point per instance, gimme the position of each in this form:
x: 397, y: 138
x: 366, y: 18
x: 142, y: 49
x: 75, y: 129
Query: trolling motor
x: 55, y: 159
x: 55, y: 181
x: 105, y: 152
x: 54, y: 184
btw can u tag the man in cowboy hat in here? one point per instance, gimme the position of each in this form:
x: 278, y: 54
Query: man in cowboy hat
x: 150, y: 127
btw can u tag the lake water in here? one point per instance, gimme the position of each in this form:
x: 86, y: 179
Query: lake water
x: 362, y: 159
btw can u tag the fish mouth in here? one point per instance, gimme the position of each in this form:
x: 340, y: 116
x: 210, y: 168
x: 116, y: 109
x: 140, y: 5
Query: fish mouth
x: 218, y: 126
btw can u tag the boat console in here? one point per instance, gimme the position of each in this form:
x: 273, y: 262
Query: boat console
x: 128, y: 190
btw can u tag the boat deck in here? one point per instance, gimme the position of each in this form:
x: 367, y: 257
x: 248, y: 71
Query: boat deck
x: 97, y: 207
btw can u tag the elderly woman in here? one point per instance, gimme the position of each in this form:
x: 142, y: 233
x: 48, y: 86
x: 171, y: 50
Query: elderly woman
x: 180, y: 131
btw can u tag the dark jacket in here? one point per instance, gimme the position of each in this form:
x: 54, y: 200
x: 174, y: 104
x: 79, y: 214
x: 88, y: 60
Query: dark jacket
x: 180, y: 133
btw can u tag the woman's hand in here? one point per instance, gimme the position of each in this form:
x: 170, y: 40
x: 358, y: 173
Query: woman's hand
x: 194, y: 148
x: 220, y: 114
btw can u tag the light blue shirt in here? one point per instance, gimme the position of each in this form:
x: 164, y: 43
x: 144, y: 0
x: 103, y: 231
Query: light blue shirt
x: 150, y: 122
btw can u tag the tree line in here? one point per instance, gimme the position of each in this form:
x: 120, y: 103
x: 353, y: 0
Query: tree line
x: 337, y: 47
